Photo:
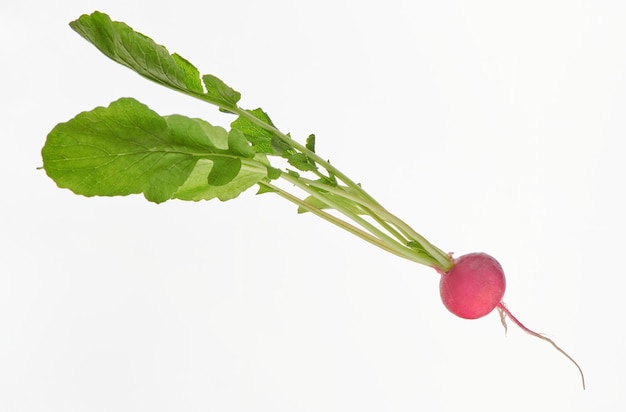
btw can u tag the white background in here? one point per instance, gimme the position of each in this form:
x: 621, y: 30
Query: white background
x: 490, y: 126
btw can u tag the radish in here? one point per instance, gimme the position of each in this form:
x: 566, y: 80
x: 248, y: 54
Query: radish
x: 128, y: 148
x: 474, y: 287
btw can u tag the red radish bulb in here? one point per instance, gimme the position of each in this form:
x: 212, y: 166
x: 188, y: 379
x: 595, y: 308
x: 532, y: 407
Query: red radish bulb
x: 473, y: 287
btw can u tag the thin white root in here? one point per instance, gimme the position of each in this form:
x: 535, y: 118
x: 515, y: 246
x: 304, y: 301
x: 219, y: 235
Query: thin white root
x: 503, y: 320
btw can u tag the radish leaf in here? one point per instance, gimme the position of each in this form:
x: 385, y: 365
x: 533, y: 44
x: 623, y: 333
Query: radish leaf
x: 138, y: 52
x: 260, y: 137
x: 127, y: 148
x: 196, y: 187
x: 221, y: 94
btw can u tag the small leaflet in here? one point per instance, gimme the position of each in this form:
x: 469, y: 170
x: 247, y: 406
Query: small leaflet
x: 310, y: 142
x: 260, y: 138
x: 301, y: 162
x: 219, y: 93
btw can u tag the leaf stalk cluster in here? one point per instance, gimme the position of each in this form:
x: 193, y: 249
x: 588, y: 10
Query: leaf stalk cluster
x: 126, y: 148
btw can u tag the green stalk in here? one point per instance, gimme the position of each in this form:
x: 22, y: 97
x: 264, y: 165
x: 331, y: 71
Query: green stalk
x: 351, y: 215
x: 369, y: 208
x: 303, y: 149
x: 385, y: 218
x: 401, y: 248
x: 345, y: 225
x: 440, y: 258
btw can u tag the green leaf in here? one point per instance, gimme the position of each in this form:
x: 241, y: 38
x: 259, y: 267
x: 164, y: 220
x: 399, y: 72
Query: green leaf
x: 310, y: 143
x: 191, y: 76
x: 197, y: 133
x: 293, y: 174
x: 224, y: 170
x: 330, y: 180
x: 138, y: 52
x: 263, y: 140
x: 282, y: 148
x: 220, y: 93
x: 265, y: 189
x: 301, y: 162
x: 127, y: 148
x: 238, y: 144
x: 196, y: 187
x: 260, y: 138
x: 273, y: 173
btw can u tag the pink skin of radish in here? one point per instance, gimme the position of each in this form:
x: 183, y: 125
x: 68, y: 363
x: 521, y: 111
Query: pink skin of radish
x: 474, y: 287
